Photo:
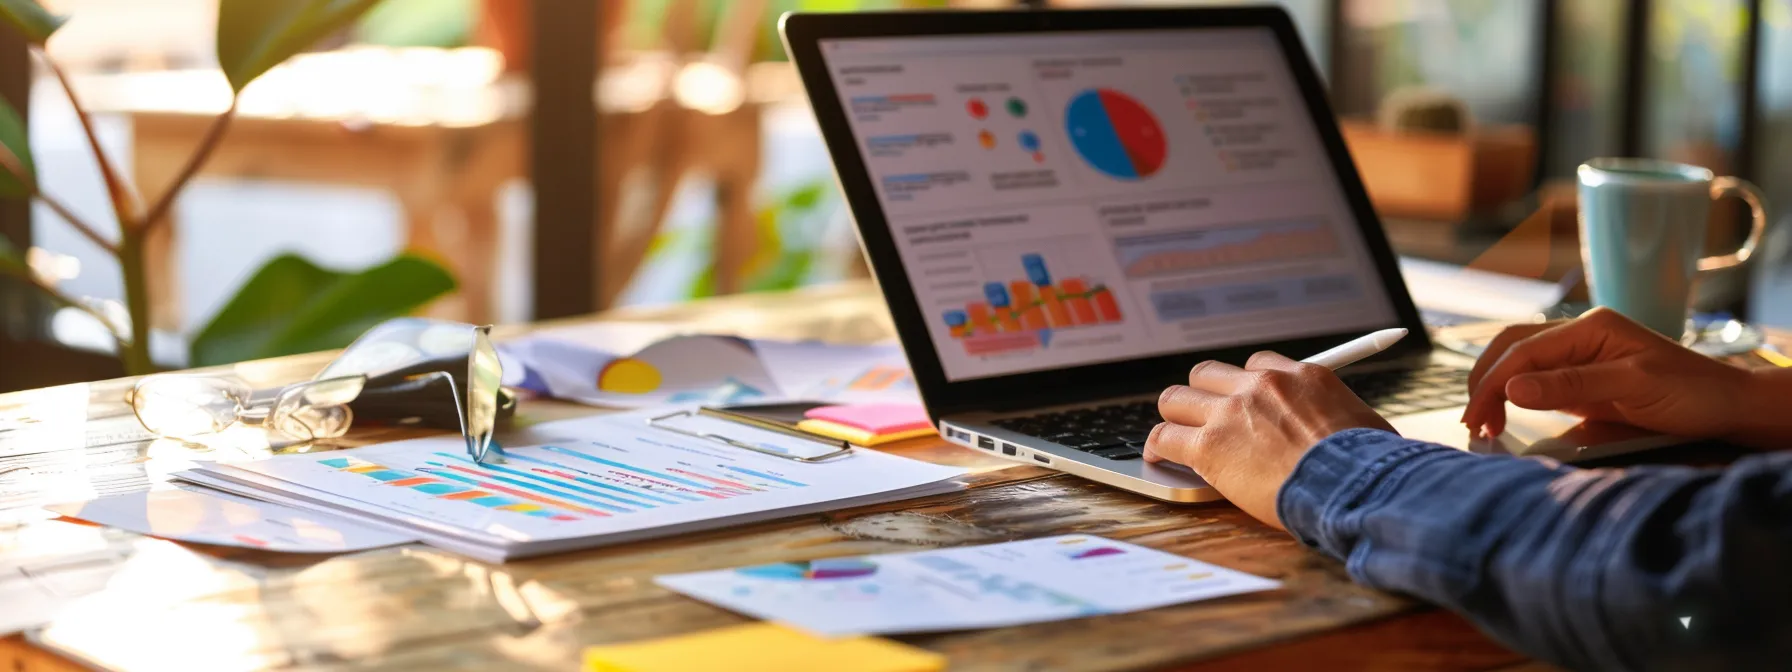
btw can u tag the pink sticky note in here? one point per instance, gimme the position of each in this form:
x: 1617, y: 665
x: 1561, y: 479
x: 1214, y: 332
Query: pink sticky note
x: 875, y: 418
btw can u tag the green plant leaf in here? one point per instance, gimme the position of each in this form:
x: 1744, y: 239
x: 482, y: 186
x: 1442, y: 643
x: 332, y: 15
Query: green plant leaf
x: 789, y: 271
x: 12, y: 261
x: 256, y: 35
x: 291, y: 306
x: 806, y: 196
x: 702, y: 286
x: 418, y: 23
x: 32, y: 20
x: 12, y: 135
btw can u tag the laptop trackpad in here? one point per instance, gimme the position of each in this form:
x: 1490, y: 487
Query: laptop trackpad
x: 1545, y: 433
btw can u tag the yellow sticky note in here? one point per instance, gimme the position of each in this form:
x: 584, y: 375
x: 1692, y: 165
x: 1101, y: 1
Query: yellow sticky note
x: 761, y: 647
x: 860, y: 437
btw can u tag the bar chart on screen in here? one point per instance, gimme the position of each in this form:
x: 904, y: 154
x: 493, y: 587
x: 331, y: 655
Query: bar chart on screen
x: 1027, y: 296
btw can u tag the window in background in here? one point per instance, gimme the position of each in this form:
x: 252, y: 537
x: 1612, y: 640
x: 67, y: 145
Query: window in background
x: 1692, y: 112
x: 803, y: 232
x: 1587, y: 76
x: 1693, y: 95
x: 1772, y: 291
x: 1481, y: 51
x: 1311, y: 19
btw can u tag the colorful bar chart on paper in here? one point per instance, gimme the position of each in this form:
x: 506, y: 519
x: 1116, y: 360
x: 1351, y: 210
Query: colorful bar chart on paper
x: 880, y: 378
x: 1022, y: 313
x: 575, y: 483
x: 1204, y: 249
x: 565, y: 484
x: 457, y: 488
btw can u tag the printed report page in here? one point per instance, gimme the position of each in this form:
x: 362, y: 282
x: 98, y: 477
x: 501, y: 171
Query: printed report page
x: 1066, y: 199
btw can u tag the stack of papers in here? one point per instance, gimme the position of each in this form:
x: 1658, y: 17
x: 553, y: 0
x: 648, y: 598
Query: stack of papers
x: 594, y: 481
x: 1448, y: 295
x: 206, y: 516
x: 619, y: 365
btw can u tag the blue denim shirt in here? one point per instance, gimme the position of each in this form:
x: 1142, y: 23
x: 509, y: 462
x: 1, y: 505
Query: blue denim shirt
x: 1637, y: 568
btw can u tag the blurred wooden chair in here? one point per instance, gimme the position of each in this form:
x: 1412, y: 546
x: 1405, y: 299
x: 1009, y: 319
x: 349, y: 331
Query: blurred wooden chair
x: 707, y: 123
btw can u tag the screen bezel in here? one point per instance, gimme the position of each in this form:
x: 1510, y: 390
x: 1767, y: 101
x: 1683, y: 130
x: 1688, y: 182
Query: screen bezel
x: 803, y: 33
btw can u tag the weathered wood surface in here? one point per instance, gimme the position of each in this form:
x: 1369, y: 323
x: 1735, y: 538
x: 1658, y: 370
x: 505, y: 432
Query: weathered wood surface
x: 185, y: 607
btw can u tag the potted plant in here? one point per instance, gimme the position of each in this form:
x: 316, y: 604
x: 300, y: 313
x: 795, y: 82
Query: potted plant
x: 290, y: 305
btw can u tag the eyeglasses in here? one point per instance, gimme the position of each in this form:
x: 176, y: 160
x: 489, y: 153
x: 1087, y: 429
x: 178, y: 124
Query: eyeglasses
x: 392, y: 361
x: 418, y: 350
x: 478, y: 408
x: 191, y: 406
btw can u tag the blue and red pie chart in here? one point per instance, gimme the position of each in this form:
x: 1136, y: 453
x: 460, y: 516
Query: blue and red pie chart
x: 1115, y: 134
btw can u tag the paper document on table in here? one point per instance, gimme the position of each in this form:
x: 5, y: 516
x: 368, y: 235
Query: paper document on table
x: 1448, y: 294
x: 617, y: 365
x: 62, y: 563
x: 593, y: 481
x: 211, y: 517
x: 995, y: 585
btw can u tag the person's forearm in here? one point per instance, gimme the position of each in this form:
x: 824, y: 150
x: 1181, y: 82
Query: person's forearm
x: 1592, y: 569
x: 1765, y: 417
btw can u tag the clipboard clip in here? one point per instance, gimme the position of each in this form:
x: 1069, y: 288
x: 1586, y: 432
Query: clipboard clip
x: 664, y: 422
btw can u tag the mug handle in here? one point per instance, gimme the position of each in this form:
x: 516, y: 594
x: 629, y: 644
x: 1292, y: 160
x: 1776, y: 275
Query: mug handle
x: 1750, y: 194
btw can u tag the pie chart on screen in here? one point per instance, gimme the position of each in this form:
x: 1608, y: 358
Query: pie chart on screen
x: 1115, y: 134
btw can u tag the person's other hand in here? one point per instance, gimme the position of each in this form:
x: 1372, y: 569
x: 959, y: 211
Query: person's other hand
x: 1244, y: 429
x: 1603, y: 366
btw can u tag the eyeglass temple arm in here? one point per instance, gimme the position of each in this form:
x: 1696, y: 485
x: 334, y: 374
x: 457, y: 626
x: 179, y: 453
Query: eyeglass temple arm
x: 459, y: 409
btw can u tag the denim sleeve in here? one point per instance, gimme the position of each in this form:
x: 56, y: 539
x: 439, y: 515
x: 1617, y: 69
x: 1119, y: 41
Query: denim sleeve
x: 1638, y: 568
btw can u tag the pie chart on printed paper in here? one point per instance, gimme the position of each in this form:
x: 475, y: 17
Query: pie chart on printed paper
x: 629, y: 376
x: 812, y: 570
x: 1115, y: 134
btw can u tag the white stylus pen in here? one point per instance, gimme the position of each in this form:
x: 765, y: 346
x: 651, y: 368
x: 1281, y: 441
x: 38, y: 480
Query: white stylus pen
x: 1358, y: 349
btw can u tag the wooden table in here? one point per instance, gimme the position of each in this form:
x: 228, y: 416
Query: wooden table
x: 169, y: 605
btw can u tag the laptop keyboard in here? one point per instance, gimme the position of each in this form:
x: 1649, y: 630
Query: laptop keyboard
x: 1118, y: 431
x: 1115, y: 431
x: 1409, y: 391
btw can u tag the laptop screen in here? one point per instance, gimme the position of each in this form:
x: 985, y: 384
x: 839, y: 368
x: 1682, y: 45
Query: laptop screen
x: 1061, y: 199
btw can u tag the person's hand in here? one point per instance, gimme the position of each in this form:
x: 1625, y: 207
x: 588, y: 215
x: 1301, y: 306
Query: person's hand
x: 1603, y: 366
x: 1244, y: 429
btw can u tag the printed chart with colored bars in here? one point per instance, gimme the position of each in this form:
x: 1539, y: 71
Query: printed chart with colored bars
x: 1115, y: 134
x: 564, y: 484
x: 1023, y: 313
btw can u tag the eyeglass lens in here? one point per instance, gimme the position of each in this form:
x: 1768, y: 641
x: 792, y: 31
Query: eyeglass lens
x: 188, y: 406
x: 317, y: 409
x: 484, y: 376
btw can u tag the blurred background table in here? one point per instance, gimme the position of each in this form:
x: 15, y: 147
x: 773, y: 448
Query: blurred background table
x: 443, y: 131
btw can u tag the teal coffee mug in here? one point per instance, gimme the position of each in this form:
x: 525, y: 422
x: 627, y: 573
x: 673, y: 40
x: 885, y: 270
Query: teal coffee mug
x: 1642, y: 235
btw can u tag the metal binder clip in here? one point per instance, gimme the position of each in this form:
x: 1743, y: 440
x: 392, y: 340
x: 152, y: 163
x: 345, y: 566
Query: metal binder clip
x: 839, y: 447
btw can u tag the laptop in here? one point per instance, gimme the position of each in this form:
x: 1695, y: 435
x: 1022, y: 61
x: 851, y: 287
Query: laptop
x: 1067, y: 210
